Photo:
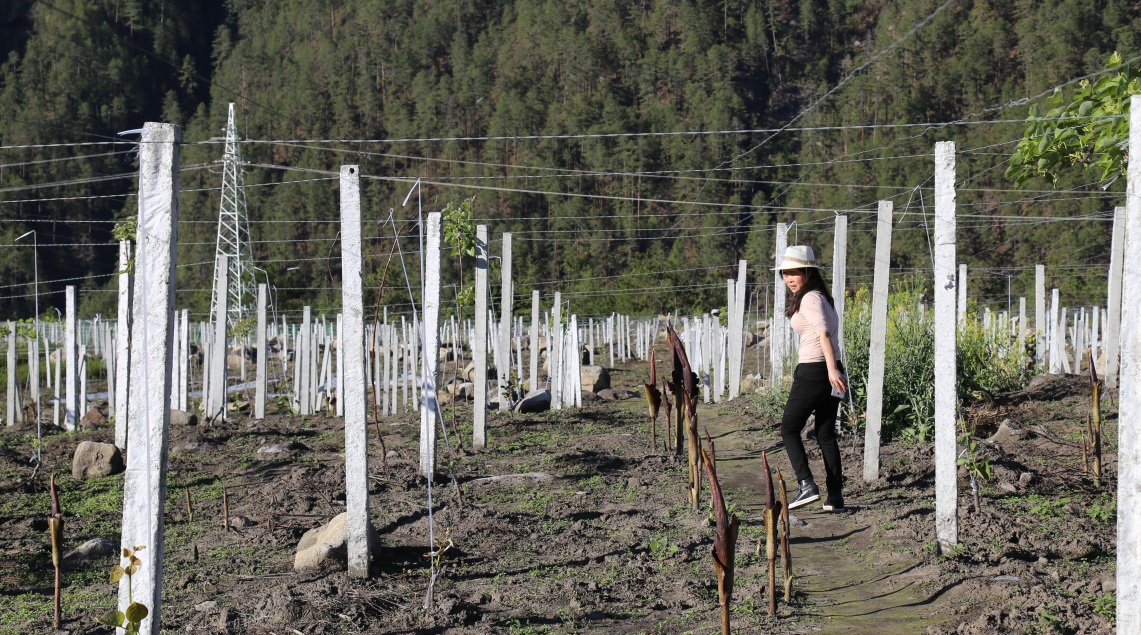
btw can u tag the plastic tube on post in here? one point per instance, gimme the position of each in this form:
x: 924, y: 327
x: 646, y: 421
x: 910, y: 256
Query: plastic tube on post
x: 260, y: 374
x: 1113, y: 310
x: 70, y: 416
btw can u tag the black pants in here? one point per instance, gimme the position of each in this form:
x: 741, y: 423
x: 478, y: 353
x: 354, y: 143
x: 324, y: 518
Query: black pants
x: 812, y: 394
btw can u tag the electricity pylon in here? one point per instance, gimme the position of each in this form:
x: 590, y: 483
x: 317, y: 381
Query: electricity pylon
x: 233, y: 229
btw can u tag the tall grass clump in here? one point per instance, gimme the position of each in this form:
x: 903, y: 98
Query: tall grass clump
x: 987, y: 360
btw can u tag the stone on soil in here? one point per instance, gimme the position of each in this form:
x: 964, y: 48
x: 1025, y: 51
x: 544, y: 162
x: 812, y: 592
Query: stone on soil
x: 182, y: 418
x: 96, y: 460
x: 534, y: 401
x: 325, y: 547
x: 193, y: 442
x: 281, y: 448
x: 93, y: 420
x: 94, y: 548
x: 1008, y: 431
x: 594, y: 378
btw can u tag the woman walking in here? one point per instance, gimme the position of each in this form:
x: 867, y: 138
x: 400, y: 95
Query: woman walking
x: 817, y: 380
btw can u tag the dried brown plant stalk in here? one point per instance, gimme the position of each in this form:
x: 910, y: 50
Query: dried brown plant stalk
x: 770, y: 534
x: 724, y: 543
x: 653, y: 400
x: 786, y: 549
x: 1095, y: 426
x: 55, y: 526
x: 685, y: 383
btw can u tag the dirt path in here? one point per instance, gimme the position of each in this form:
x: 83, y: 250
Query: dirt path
x: 855, y: 579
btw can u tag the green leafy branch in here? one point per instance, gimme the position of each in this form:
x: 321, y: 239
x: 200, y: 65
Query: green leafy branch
x: 459, y: 231
x: 136, y: 612
x: 1088, y: 131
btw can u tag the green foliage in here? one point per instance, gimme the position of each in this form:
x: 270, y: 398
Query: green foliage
x: 1106, y: 606
x: 1090, y: 131
x: 976, y: 467
x: 136, y: 612
x: 661, y: 548
x: 244, y: 327
x: 1046, y: 508
x: 1103, y: 513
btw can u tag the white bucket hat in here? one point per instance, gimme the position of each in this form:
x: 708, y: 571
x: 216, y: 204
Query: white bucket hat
x: 798, y: 257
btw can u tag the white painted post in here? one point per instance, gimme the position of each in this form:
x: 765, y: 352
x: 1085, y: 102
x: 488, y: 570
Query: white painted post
x: 506, y: 297
x: 946, y: 399
x: 82, y: 382
x: 70, y: 416
x: 962, y: 293
x: 218, y: 370
x: 554, y: 353
x: 122, y: 347
x: 839, y: 273
x: 428, y: 412
x: 260, y: 377
x: 479, y: 346
x: 144, y: 486
x: 1057, y: 335
x: 13, y: 385
x: 779, y: 324
x: 1113, y: 311
x: 1129, y: 395
x: 34, y: 375
x: 351, y: 388
x: 1039, y: 314
x: 535, y: 340
x: 878, y: 346
x: 341, y: 366
x: 56, y: 386
x: 302, y: 370
x: 576, y: 363
x: 737, y: 332
x: 184, y: 362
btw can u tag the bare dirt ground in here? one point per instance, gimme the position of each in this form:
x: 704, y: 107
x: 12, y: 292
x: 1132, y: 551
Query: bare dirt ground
x: 603, y: 543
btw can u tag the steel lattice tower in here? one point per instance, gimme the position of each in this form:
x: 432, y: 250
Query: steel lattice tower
x: 233, y: 228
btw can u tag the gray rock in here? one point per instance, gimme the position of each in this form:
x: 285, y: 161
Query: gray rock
x: 1007, y: 487
x: 182, y: 418
x: 241, y: 522
x: 594, y: 378
x: 208, y: 605
x: 534, y: 401
x: 93, y: 420
x: 193, y: 441
x: 93, y: 549
x: 589, y: 396
x: 1026, y: 478
x: 96, y: 460
x: 284, y: 447
x: 325, y: 547
x: 797, y: 522
x: 1109, y: 585
x: 1008, y: 431
x: 616, y: 394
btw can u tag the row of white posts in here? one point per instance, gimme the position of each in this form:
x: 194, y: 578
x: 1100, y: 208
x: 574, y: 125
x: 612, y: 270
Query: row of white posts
x: 153, y: 340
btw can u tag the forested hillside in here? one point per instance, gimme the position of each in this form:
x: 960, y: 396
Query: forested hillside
x: 319, y: 83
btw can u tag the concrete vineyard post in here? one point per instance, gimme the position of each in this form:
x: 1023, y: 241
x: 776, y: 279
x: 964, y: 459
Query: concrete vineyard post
x: 878, y: 345
x: 340, y: 382
x: 1129, y: 395
x: 301, y: 368
x: 839, y: 274
x: 946, y: 399
x: 506, y: 294
x: 70, y: 418
x: 1057, y: 335
x: 1039, y: 314
x: 535, y: 340
x: 156, y: 259
x: 1021, y: 325
x: 431, y: 303
x: 218, y: 371
x: 260, y: 378
x: 554, y: 352
x: 351, y: 387
x: 184, y: 362
x: 1113, y: 311
x: 122, y: 346
x: 736, y: 332
x: 962, y: 303
x: 479, y: 346
x: 779, y: 323
x: 12, y: 392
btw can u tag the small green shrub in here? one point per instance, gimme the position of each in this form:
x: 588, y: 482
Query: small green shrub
x: 1106, y: 606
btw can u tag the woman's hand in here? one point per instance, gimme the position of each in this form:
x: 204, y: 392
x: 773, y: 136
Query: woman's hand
x: 837, y: 381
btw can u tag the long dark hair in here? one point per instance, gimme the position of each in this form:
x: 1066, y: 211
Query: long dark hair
x: 813, y: 282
